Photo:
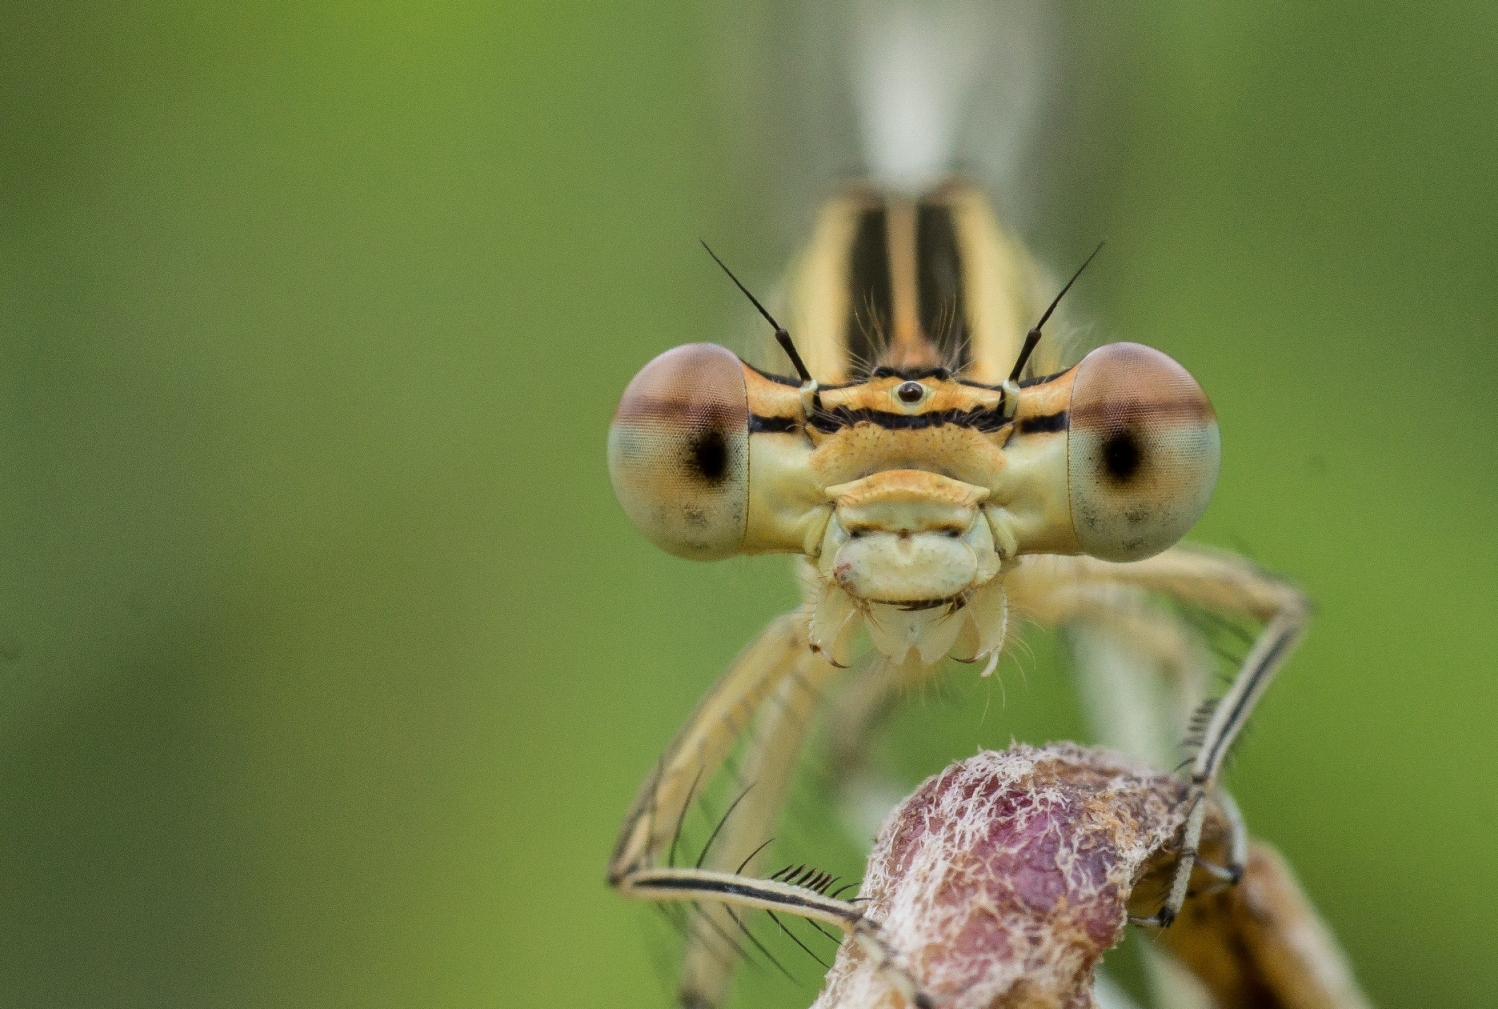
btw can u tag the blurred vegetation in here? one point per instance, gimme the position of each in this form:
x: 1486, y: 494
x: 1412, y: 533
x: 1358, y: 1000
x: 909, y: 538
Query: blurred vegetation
x: 328, y: 664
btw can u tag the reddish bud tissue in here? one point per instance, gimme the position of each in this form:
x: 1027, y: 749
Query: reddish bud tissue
x: 1004, y: 879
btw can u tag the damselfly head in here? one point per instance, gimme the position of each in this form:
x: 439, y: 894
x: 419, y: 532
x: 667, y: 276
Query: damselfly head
x: 910, y: 486
x: 1127, y: 437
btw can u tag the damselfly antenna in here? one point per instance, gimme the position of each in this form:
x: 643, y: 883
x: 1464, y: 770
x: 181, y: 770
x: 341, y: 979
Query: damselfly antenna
x: 781, y: 335
x: 1033, y: 337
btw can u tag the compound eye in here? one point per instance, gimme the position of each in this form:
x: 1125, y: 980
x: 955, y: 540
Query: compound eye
x: 679, y: 452
x: 1142, y: 452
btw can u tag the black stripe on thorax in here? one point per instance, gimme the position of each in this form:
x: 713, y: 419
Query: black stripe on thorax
x: 939, y: 283
x: 871, y: 299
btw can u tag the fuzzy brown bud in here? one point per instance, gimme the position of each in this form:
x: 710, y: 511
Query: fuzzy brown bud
x: 1003, y: 880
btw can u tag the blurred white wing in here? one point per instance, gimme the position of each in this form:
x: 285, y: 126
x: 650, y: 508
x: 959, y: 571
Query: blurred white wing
x: 895, y: 91
x: 942, y: 86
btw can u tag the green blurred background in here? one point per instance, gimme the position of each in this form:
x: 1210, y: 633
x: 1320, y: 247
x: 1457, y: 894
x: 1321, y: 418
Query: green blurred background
x: 328, y: 664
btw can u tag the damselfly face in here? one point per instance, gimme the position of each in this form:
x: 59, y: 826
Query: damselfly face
x: 912, y: 473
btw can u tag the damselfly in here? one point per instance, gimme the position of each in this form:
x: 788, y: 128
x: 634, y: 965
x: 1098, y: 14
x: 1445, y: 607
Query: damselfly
x: 938, y: 469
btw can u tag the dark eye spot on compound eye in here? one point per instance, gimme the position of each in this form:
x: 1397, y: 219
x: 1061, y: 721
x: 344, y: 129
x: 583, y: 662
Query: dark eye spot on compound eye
x: 1122, y: 456
x: 911, y: 392
x: 709, y: 455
